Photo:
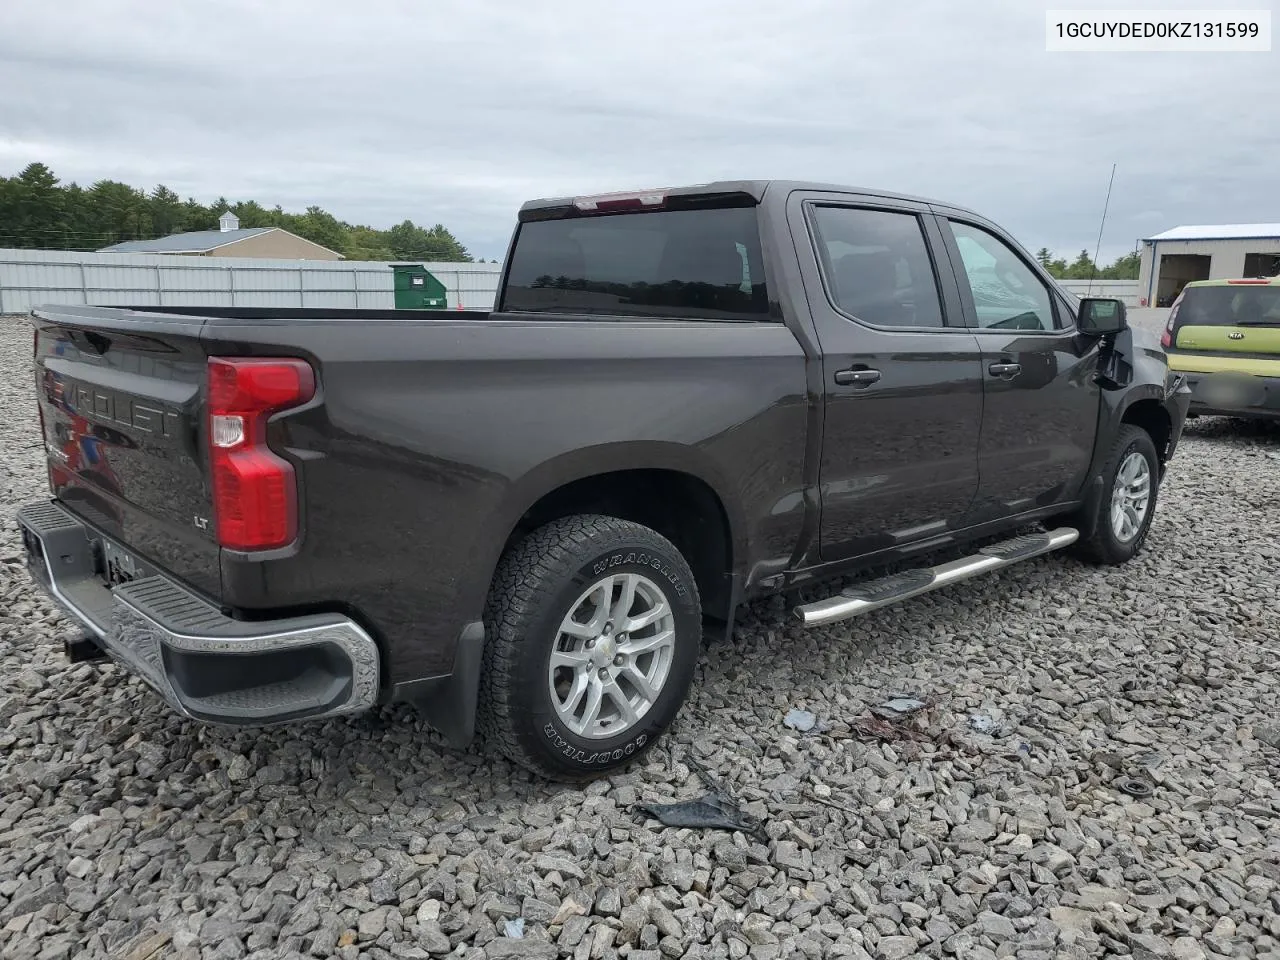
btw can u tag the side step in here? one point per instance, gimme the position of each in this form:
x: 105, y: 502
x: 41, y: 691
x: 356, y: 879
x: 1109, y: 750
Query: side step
x: 874, y: 594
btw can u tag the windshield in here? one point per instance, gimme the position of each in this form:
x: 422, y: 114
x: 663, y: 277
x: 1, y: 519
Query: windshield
x: 1230, y: 305
x: 696, y: 264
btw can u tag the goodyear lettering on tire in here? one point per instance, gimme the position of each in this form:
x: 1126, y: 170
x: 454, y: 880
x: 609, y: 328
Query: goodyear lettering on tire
x: 598, y: 757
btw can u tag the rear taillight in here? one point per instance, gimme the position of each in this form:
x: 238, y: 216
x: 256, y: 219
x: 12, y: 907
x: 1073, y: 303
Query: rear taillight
x: 41, y: 378
x: 1166, y: 338
x: 255, y: 493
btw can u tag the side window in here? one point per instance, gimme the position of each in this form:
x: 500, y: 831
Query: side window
x: 1006, y: 293
x: 876, y: 266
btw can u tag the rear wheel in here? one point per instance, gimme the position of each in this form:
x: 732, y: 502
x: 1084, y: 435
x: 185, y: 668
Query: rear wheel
x: 593, y: 629
x: 1130, y: 477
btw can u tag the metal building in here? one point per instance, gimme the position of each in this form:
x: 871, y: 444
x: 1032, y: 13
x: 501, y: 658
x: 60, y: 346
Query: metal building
x: 1172, y: 259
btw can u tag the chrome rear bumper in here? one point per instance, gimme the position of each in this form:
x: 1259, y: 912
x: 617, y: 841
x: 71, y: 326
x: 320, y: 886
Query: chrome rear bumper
x: 205, y: 665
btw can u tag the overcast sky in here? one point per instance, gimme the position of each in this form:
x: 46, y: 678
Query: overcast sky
x: 456, y: 111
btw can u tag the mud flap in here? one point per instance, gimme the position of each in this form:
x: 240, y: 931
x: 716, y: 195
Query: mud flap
x: 448, y: 703
x: 1092, y: 509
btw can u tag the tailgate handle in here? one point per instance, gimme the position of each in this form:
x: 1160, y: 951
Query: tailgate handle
x: 99, y: 343
x: 96, y: 342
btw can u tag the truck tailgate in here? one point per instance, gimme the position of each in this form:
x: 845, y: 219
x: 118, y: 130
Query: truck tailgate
x: 121, y: 399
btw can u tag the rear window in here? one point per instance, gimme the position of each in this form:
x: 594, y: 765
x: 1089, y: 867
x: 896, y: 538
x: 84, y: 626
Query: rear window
x: 695, y: 264
x: 1230, y: 305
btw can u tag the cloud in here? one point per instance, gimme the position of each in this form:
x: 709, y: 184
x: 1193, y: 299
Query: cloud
x: 458, y: 110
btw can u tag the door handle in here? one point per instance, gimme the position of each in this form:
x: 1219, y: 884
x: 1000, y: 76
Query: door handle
x: 1005, y: 371
x: 857, y: 377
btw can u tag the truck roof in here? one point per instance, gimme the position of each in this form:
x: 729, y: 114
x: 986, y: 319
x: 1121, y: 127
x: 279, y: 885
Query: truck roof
x: 753, y: 189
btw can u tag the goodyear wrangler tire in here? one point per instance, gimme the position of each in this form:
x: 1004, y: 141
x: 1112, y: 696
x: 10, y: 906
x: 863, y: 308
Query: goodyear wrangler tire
x: 593, y: 629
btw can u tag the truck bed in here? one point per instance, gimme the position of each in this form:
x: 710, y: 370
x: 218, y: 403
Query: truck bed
x: 427, y: 439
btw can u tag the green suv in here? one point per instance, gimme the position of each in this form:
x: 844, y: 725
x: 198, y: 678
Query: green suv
x: 1225, y: 336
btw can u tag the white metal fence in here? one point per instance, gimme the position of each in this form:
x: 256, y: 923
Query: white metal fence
x: 33, y: 277
x: 1125, y: 290
x: 30, y: 278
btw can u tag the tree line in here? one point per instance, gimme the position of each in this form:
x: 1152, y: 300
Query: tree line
x: 37, y: 211
x: 1083, y: 268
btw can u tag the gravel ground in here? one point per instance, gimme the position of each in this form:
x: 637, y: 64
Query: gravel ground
x: 126, y: 832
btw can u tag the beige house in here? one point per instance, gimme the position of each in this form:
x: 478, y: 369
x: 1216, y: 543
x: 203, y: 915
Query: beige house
x: 230, y: 241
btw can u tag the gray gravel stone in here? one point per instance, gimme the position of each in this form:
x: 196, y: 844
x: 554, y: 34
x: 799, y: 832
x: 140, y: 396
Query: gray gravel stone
x: 995, y: 926
x: 608, y: 902
x: 432, y: 938
x: 1187, y: 948
x: 382, y: 890
x: 371, y: 924
x: 896, y: 947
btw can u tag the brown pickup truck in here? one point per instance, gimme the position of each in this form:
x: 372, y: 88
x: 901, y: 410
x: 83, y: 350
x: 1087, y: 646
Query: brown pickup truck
x: 523, y: 520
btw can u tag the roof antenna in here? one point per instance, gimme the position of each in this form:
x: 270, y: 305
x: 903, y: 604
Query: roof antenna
x: 1098, y: 249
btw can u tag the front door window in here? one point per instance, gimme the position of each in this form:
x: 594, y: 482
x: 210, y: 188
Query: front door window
x: 1007, y: 295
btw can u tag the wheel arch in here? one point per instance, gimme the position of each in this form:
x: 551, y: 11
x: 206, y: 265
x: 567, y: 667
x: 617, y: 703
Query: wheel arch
x: 1149, y: 414
x: 677, y: 492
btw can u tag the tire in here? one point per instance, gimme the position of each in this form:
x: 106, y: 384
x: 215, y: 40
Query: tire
x: 555, y: 575
x: 1106, y: 544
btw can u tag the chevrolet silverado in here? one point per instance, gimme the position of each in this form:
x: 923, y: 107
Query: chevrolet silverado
x: 523, y: 520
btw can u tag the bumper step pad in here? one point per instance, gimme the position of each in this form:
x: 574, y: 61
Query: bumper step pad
x: 205, y: 664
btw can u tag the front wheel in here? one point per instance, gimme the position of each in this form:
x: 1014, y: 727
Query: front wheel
x: 1131, y: 478
x: 593, y: 628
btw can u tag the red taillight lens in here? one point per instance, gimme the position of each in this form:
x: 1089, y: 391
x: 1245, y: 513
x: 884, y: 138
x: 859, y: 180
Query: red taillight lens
x: 56, y: 477
x: 255, y: 493
x: 1166, y: 338
x: 253, y: 385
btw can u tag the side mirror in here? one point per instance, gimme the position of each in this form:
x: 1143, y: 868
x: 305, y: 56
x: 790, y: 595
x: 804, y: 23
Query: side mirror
x: 1101, y: 317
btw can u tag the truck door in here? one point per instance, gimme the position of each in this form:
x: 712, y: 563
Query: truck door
x: 1040, y: 408
x: 902, y: 374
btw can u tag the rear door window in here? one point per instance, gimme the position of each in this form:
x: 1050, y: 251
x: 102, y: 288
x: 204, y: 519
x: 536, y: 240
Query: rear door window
x: 1233, y: 305
x: 682, y: 264
x: 876, y: 266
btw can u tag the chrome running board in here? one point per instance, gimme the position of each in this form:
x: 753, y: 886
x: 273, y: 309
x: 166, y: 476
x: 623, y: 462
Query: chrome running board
x: 864, y: 597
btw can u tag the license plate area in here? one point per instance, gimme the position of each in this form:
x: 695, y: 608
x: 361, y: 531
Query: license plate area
x: 117, y: 565
x: 1230, y: 392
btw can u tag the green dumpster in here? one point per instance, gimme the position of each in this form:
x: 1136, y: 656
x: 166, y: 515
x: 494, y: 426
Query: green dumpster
x: 417, y: 289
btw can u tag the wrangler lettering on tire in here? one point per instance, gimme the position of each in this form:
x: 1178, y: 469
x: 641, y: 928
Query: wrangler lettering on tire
x: 593, y: 627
